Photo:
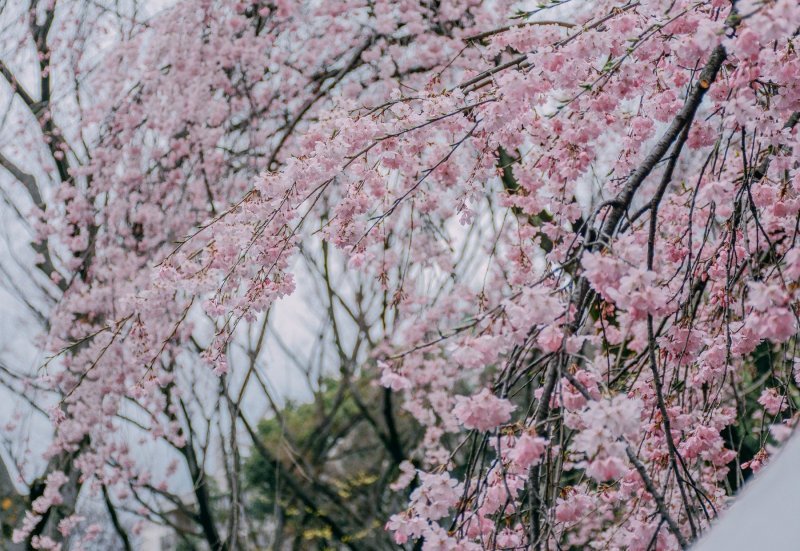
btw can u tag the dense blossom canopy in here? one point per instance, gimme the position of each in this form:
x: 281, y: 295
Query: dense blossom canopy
x: 581, y: 220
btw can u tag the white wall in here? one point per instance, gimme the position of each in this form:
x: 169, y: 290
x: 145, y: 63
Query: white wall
x: 766, y: 516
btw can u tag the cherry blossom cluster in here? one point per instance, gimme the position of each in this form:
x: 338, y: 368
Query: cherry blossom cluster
x: 584, y: 218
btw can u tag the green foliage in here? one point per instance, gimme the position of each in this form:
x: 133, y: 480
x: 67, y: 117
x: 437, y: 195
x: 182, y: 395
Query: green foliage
x: 335, y: 448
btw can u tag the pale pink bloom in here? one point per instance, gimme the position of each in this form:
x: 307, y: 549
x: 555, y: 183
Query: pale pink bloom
x: 606, y: 468
x: 772, y: 401
x: 573, y: 507
x: 45, y: 543
x: 30, y: 522
x: 602, y: 271
x: 478, y: 526
x: 792, y: 260
x: 527, y: 451
x: 776, y: 324
x: 394, y: 381
x: 407, y: 473
x: 781, y: 431
x: 479, y: 352
x: 747, y: 44
x: 550, y: 338
x: 406, y: 526
x: 52, y: 494
x: 758, y: 462
x: 572, y: 398
x: 763, y: 296
x: 435, y: 495
x: 509, y: 539
x: 483, y: 411
x: 68, y: 524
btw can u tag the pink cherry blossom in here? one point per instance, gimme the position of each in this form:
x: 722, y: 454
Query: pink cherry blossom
x: 483, y: 411
x: 772, y: 401
x: 549, y: 248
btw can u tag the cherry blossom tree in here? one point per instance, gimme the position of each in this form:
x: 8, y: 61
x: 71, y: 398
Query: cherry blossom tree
x: 199, y: 411
x: 561, y: 237
x: 44, y: 61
